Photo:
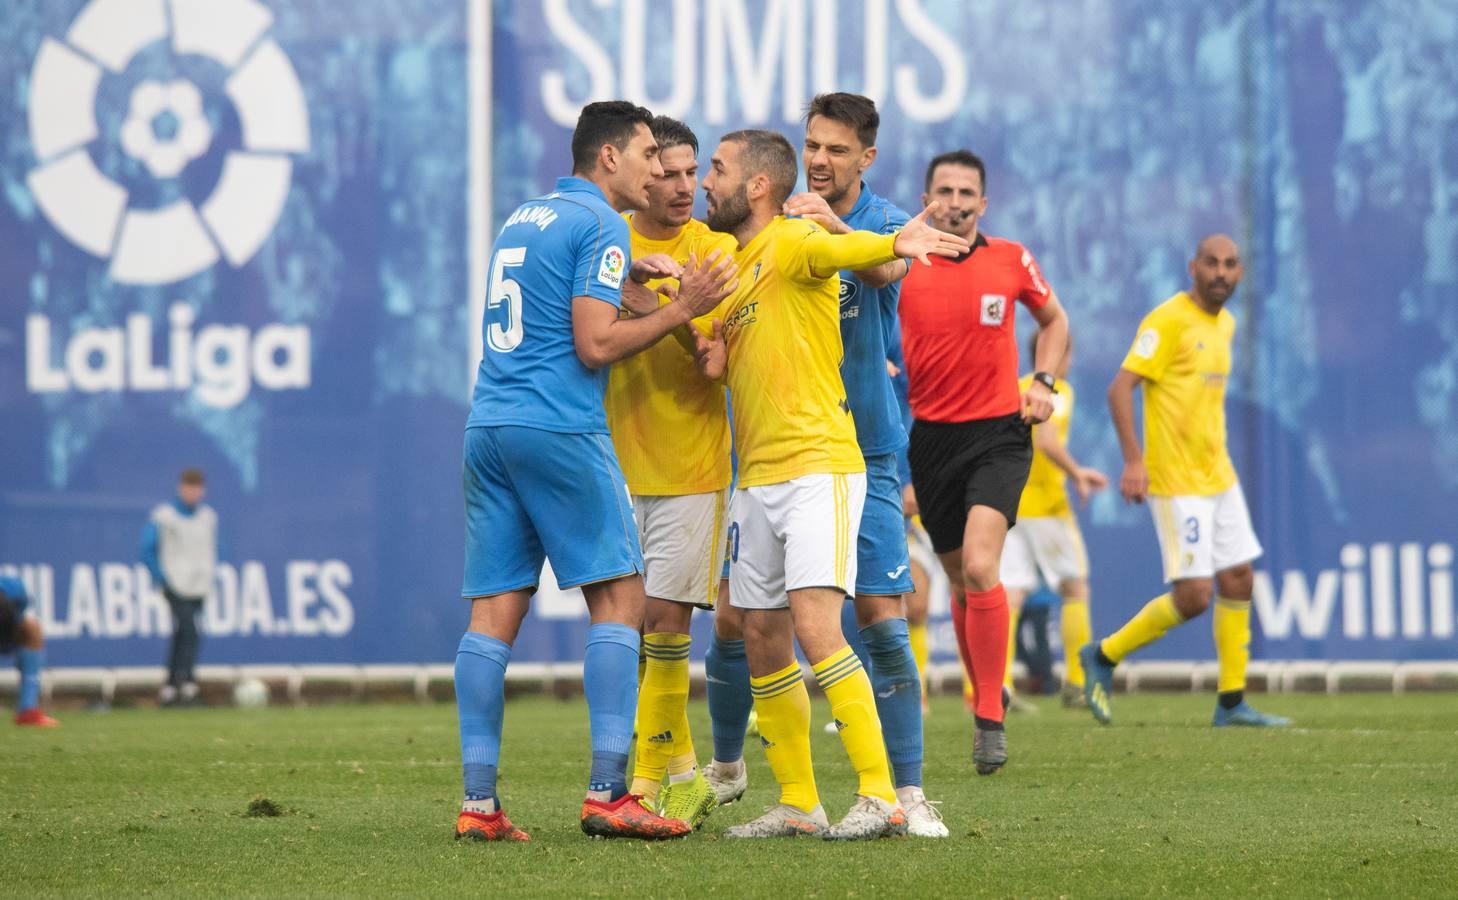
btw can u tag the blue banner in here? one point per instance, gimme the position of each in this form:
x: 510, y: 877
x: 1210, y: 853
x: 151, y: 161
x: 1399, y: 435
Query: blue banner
x: 250, y: 235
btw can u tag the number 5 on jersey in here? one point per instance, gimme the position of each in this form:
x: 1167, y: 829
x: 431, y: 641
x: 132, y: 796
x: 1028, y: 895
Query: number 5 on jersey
x: 505, y: 290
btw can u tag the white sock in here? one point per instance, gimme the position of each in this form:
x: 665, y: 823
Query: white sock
x: 167, y: 694
x: 681, y: 777
x: 484, y: 807
x: 734, y: 768
x: 189, y: 690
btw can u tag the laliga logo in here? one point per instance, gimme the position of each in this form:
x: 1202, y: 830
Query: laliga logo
x: 165, y: 130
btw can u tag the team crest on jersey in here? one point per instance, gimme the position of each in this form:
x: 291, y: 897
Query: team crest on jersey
x: 1146, y: 343
x: 994, y: 309
x: 756, y: 270
x: 610, y: 270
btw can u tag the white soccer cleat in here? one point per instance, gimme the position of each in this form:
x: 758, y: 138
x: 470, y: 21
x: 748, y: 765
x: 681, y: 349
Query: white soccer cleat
x: 869, y: 818
x: 729, y: 780
x: 923, y: 819
x: 830, y: 727
x: 783, y: 821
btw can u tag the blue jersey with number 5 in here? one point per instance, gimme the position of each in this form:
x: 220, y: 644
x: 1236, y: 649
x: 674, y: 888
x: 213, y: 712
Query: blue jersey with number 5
x: 570, y: 243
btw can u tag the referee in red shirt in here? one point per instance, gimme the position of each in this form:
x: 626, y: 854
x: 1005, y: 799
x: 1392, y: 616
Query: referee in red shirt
x: 971, y: 444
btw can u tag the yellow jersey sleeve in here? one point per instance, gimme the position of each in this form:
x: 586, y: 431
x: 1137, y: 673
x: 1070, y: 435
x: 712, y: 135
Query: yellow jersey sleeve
x: 1153, y: 347
x: 820, y: 254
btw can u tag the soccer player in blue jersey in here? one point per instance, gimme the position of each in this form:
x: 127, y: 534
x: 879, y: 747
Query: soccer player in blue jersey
x: 20, y: 633
x: 541, y: 478
x: 840, y: 144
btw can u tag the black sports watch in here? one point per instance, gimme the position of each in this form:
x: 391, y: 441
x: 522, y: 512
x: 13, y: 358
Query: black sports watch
x: 1047, y: 381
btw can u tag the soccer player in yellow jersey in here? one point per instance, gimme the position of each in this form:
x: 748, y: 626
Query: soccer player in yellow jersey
x: 670, y: 428
x: 794, y: 515
x: 1046, y: 546
x: 1182, y: 357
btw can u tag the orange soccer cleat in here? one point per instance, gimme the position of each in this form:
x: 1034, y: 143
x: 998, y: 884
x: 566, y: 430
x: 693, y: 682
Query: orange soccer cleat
x: 36, y: 719
x: 626, y: 818
x: 493, y: 827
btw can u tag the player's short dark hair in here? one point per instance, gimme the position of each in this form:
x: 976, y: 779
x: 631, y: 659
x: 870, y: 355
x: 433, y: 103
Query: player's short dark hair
x: 767, y: 153
x: 957, y: 158
x: 9, y: 625
x: 192, y: 476
x: 670, y: 132
x: 851, y: 110
x: 604, y: 122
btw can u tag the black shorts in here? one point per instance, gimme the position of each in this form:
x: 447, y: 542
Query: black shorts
x: 958, y: 465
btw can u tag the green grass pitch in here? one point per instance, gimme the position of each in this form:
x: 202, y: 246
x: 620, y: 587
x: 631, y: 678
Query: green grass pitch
x: 1361, y: 799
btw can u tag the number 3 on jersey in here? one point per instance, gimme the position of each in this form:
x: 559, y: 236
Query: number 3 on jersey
x: 505, y: 290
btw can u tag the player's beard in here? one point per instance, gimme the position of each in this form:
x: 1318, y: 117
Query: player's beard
x: 836, y: 193
x: 730, y: 212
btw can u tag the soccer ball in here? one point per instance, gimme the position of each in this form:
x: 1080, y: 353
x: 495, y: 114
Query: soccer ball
x: 250, y: 693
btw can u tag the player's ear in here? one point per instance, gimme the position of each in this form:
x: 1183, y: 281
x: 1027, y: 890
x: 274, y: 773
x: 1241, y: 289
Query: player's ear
x: 869, y: 157
x: 607, y: 158
x: 758, y: 186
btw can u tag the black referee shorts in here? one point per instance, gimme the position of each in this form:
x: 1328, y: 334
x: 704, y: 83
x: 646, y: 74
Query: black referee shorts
x: 958, y: 465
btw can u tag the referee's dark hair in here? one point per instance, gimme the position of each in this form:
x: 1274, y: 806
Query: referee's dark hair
x: 605, y: 122
x: 767, y: 153
x: 670, y: 132
x: 957, y: 158
x: 851, y: 110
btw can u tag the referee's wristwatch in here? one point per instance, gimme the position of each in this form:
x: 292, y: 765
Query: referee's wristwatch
x: 1047, y: 381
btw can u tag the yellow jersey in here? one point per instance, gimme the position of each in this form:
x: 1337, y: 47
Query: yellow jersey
x: 1046, y: 493
x: 669, y: 424
x: 790, y: 412
x: 1183, y: 354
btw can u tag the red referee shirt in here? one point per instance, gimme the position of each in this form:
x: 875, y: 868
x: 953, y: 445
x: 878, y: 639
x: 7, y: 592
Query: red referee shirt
x: 957, y: 330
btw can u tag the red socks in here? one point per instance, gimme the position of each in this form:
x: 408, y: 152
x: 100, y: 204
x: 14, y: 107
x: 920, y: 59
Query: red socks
x: 959, y: 625
x: 983, y: 640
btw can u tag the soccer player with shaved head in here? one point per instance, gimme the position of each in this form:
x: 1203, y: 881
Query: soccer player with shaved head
x: 1181, y: 357
x: 802, y: 478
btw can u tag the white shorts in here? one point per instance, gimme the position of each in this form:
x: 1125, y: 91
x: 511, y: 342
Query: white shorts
x: 795, y: 534
x: 1046, y: 550
x: 1199, y: 536
x: 683, y: 545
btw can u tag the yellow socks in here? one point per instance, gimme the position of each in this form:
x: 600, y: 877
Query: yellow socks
x: 662, y: 708
x: 1232, y: 642
x: 682, y: 762
x: 783, y: 705
x: 1076, y: 630
x: 1148, y: 625
x: 919, y: 651
x: 846, y: 685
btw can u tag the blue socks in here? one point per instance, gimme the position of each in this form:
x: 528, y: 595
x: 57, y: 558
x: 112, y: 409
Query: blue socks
x: 610, y: 680
x: 480, y: 700
x: 898, y: 696
x: 727, y: 672
x: 853, y: 635
x: 29, y: 662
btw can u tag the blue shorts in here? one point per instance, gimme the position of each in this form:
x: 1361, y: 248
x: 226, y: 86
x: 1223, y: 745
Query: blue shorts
x: 533, y: 495
x: 882, y: 564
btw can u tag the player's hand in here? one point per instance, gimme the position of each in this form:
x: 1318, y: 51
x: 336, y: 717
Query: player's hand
x: 1088, y: 482
x: 812, y: 206
x: 909, y: 506
x: 638, y: 299
x: 891, y: 369
x: 1134, y: 483
x: 711, y: 353
x: 704, y: 285
x: 918, y: 240
x: 654, y: 265
x: 1037, y: 403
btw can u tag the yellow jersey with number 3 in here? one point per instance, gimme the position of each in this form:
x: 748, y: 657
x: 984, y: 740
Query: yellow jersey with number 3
x: 1183, y: 354
x: 791, y: 417
x: 670, y: 425
x: 1046, y: 493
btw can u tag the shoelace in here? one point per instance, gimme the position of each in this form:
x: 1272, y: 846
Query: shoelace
x: 931, y: 807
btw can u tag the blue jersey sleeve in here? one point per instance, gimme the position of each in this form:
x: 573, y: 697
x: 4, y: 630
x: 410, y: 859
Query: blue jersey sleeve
x: 149, y: 554
x: 602, y: 260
